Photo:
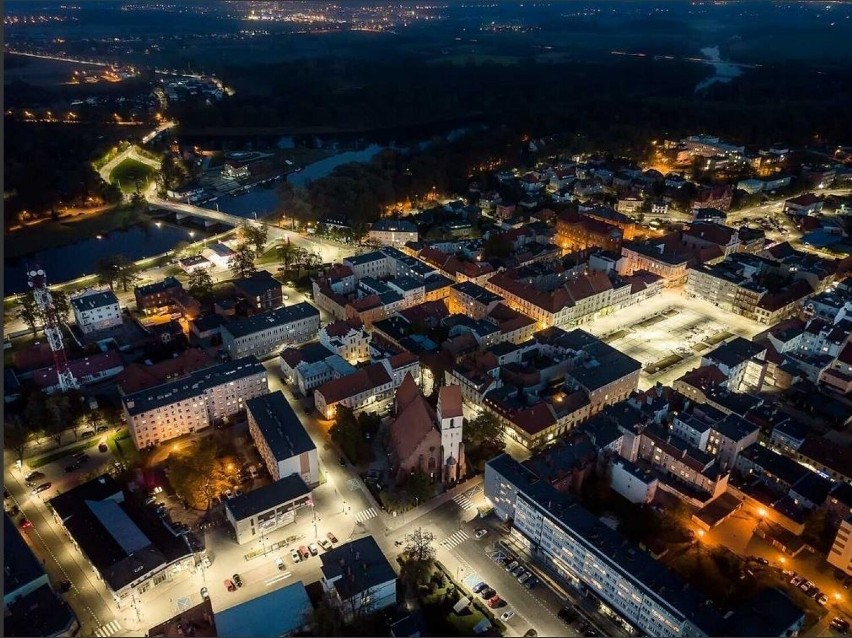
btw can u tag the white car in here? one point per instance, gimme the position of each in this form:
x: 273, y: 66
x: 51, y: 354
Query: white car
x: 295, y: 556
x: 507, y: 616
x: 279, y: 562
x: 480, y: 533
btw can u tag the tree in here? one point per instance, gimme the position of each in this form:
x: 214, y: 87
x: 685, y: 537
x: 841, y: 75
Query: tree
x: 127, y: 272
x: 16, y: 436
x: 418, y: 487
x: 327, y: 619
x: 106, y: 271
x: 242, y: 263
x: 200, y: 283
x: 29, y: 313
x: 62, y: 304
x: 346, y: 433
x: 418, y: 545
x: 287, y: 253
x: 201, y: 471
x: 485, y: 428
x: 254, y: 235
x: 57, y: 410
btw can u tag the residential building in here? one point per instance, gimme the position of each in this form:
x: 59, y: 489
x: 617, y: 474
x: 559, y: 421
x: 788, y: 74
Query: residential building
x: 576, y: 232
x: 219, y: 255
x: 205, y: 397
x: 194, y: 262
x: 635, y: 484
x: 281, y: 439
x: 96, y: 310
x: 348, y: 339
x: 472, y: 300
x: 32, y: 607
x: 840, y: 555
x: 368, y: 388
x: 373, y: 264
x: 256, y: 513
x: 88, y: 370
x: 311, y: 365
x: 358, y: 578
x: 261, y: 291
x: 130, y: 551
x: 157, y: 297
x: 803, y: 206
x: 588, y: 556
x: 392, y: 232
x: 268, y: 332
x: 138, y: 376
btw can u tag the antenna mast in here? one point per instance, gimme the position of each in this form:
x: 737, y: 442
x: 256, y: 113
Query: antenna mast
x: 52, y: 327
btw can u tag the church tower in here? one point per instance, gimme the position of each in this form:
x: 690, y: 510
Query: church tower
x: 451, y: 425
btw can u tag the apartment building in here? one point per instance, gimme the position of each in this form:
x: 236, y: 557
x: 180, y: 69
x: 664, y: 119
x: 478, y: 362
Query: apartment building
x: 205, y: 397
x: 392, y: 232
x: 348, y: 339
x: 589, y: 557
x: 311, y: 365
x: 470, y: 299
x: 357, y: 577
x: 96, y: 310
x: 373, y: 264
x: 576, y: 232
x: 156, y: 297
x: 261, y: 291
x: 841, y: 550
x: 267, y: 332
x: 281, y: 439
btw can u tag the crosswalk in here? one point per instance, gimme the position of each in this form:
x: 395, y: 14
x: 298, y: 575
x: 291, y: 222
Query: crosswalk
x: 109, y: 629
x: 455, y: 539
x: 463, y: 502
x: 366, y: 515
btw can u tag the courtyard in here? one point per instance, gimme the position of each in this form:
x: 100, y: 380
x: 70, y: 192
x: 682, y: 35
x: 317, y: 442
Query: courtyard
x: 669, y: 333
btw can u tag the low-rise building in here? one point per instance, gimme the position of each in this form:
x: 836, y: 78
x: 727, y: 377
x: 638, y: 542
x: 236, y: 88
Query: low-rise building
x: 393, y: 232
x: 368, y: 387
x: 268, y: 332
x: 219, y: 254
x: 348, y: 339
x: 254, y: 514
x: 261, y: 291
x: 286, y: 611
x: 158, y: 296
x: 32, y: 607
x: 195, y: 262
x: 205, y: 397
x: 96, y: 310
x: 281, y: 439
x: 130, y: 551
x: 358, y: 578
x: 804, y: 205
x: 311, y: 365
x: 470, y: 299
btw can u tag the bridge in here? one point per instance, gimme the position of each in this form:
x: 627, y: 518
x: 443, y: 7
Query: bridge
x: 188, y: 210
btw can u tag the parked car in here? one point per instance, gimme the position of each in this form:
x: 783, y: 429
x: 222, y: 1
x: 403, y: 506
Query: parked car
x: 295, y: 556
x: 517, y: 570
x: 229, y: 585
x: 478, y: 587
x: 102, y: 428
x: 325, y: 544
x: 304, y: 553
x: 511, y: 566
x: 14, y: 511
x: 567, y: 615
x: 805, y: 586
x: 532, y: 582
x: 205, y: 595
x: 70, y: 468
x: 795, y: 581
x: 42, y: 488
x: 331, y: 537
x: 496, y: 601
x: 279, y: 562
x: 480, y: 533
x: 237, y: 580
x: 507, y: 616
x: 34, y: 476
x: 524, y: 577
x: 822, y: 599
x: 840, y: 624
x: 313, y: 549
x: 87, y: 434
x: 761, y: 561
x: 487, y: 593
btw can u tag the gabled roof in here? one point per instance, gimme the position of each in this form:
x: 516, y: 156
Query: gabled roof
x: 365, y: 379
x: 406, y: 393
x: 92, y: 300
x: 414, y: 423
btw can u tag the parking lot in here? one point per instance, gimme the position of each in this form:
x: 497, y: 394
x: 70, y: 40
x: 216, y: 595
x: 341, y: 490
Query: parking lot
x: 668, y: 334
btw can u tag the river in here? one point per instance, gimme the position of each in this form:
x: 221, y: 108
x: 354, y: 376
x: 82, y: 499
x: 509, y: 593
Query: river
x: 725, y: 71
x: 146, y: 240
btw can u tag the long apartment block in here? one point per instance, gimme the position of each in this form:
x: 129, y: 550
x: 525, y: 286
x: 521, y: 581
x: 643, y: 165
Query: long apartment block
x: 195, y: 402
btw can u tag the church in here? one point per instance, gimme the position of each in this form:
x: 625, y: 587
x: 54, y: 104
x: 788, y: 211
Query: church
x: 423, y: 439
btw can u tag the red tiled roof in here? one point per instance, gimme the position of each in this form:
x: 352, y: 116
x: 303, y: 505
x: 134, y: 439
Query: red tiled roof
x: 704, y: 377
x: 338, y: 328
x: 35, y: 356
x: 137, y: 377
x: 406, y: 393
x: 708, y: 231
x: 366, y: 303
x: 81, y: 368
x: 412, y: 426
x: 363, y: 380
x: 402, y: 359
x: 450, y: 400
x: 339, y: 271
x: 806, y: 199
x: 534, y: 419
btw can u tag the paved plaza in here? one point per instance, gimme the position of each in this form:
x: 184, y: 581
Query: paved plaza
x: 668, y: 334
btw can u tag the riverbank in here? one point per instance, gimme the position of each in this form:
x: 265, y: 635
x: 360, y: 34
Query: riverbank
x: 69, y: 230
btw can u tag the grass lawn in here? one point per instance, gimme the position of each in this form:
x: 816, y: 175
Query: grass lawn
x: 61, y: 454
x: 268, y: 256
x: 129, y: 172
x: 123, y: 448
